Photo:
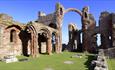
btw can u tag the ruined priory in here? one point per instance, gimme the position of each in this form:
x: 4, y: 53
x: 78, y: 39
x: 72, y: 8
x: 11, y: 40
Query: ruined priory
x: 44, y: 35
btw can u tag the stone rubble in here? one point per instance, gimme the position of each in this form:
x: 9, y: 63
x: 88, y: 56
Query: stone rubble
x: 100, y: 63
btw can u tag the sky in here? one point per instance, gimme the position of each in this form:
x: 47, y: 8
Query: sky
x: 27, y: 10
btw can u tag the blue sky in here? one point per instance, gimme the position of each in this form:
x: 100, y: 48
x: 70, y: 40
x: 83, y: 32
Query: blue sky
x: 26, y: 10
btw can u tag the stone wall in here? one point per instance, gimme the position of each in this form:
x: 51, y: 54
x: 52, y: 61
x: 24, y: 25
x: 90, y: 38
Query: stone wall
x: 100, y: 63
x: 110, y: 52
x: 47, y: 19
x: 74, y: 37
x: 113, y: 29
x: 105, y: 31
x: 7, y: 46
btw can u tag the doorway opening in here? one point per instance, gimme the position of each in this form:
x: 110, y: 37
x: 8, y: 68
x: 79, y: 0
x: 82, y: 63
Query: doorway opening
x: 42, y: 43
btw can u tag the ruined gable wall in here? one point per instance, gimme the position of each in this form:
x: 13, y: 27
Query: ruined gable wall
x: 105, y: 27
x: 47, y: 19
x: 15, y: 46
x: 6, y: 47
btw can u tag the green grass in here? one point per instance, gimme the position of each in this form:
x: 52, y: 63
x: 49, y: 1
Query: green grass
x: 111, y: 64
x: 55, y: 61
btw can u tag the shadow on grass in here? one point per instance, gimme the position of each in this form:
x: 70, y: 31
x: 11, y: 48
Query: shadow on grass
x: 88, y: 62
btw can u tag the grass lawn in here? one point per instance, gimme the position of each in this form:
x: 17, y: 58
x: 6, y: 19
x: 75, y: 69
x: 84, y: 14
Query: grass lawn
x: 111, y: 64
x: 50, y: 62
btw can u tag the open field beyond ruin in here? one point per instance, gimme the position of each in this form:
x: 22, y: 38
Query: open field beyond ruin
x: 63, y: 61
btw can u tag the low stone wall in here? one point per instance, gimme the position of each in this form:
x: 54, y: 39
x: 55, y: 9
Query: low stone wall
x: 110, y: 53
x: 100, y: 63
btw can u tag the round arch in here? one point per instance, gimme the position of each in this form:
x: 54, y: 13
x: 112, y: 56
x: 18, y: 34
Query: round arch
x: 16, y: 26
x: 45, y: 30
x: 73, y: 10
x: 44, y: 40
x: 60, y: 12
x: 78, y: 13
x: 33, y: 40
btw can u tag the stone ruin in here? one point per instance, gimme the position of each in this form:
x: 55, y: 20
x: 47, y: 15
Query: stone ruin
x: 110, y: 53
x: 44, y: 35
x: 100, y: 63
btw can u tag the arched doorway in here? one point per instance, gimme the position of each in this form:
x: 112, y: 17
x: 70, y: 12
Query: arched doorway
x: 33, y: 44
x: 40, y: 40
x: 44, y: 41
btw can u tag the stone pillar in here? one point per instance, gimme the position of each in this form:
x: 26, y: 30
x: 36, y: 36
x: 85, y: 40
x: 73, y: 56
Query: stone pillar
x: 59, y: 16
x: 70, y: 42
x: 78, y: 39
x: 60, y: 39
x: 57, y: 43
x: 49, y: 46
x: 33, y: 45
x: 70, y: 32
x: 85, y: 19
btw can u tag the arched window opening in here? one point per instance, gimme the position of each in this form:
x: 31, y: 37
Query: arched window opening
x: 71, y: 12
x: 12, y: 36
x: 85, y: 15
x: 61, y: 11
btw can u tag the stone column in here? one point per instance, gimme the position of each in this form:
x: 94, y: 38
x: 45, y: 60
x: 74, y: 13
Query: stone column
x: 79, y: 40
x: 36, y: 45
x: 60, y: 39
x: 33, y: 46
x: 59, y: 18
x: 70, y: 44
x: 49, y: 46
x: 57, y: 44
x: 85, y: 21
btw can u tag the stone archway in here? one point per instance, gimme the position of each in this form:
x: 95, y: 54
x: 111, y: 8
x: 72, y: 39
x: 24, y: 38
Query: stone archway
x: 74, y: 10
x: 44, y: 40
x: 39, y: 31
x: 33, y: 40
x: 60, y: 12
